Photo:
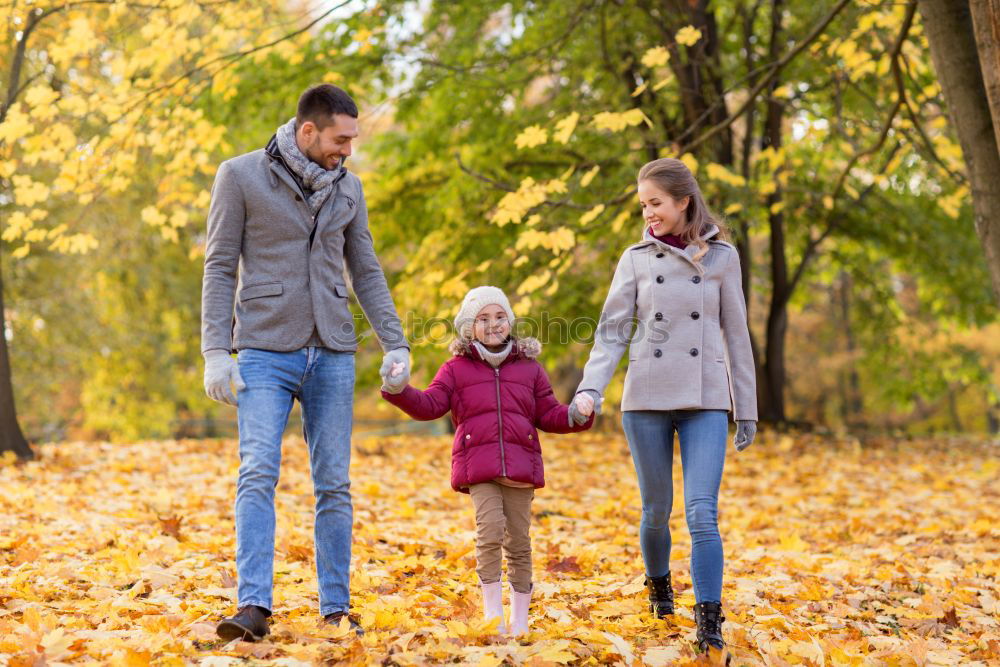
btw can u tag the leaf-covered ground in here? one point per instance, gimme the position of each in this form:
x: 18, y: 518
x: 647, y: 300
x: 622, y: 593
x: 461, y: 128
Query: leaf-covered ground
x: 836, y: 553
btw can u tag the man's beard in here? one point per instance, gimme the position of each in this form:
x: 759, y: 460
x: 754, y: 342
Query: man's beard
x: 314, y: 156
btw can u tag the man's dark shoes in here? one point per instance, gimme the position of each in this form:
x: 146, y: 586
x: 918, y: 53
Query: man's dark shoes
x: 661, y: 595
x: 249, y: 624
x: 335, y: 617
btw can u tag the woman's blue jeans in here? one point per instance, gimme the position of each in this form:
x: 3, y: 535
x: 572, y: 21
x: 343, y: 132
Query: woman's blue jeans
x: 703, y: 436
x: 323, y: 382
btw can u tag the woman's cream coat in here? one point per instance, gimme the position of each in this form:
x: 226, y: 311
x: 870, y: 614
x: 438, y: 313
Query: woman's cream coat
x: 684, y: 323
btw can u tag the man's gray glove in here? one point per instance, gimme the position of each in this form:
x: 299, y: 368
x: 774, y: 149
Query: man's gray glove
x: 746, y: 429
x: 584, y: 403
x: 221, y: 370
x: 395, y: 370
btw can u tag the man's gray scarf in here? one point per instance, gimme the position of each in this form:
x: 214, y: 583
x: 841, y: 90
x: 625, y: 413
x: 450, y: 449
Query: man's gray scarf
x: 314, y: 177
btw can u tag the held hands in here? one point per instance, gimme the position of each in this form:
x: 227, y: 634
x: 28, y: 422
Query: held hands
x: 746, y: 430
x: 584, y: 404
x: 221, y: 370
x: 395, y: 370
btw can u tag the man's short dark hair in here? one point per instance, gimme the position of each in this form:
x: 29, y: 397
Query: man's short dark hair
x: 321, y: 103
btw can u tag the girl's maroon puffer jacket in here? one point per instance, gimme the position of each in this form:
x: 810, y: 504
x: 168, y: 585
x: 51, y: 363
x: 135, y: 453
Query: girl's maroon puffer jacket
x: 497, y: 413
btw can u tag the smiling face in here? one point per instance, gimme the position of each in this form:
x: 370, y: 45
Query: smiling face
x: 662, y: 213
x: 491, y: 326
x: 329, y: 146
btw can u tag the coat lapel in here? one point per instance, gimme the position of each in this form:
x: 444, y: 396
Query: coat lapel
x: 336, y: 209
x: 287, y: 179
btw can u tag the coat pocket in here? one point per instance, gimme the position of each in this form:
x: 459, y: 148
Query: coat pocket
x: 259, y: 290
x: 720, y: 349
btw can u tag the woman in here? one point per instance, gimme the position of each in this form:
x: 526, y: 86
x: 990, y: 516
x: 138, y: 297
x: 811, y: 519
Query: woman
x: 682, y: 283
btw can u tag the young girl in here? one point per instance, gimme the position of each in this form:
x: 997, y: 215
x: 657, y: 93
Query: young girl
x: 683, y: 284
x: 499, y: 397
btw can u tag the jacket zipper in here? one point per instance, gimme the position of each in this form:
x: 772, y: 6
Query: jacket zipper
x: 503, y: 461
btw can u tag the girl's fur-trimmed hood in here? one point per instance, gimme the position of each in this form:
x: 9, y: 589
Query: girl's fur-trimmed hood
x: 527, y: 348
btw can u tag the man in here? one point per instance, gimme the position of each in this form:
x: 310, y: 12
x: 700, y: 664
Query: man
x: 284, y: 223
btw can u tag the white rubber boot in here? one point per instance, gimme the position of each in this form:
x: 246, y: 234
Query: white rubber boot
x: 493, y: 603
x: 519, y: 603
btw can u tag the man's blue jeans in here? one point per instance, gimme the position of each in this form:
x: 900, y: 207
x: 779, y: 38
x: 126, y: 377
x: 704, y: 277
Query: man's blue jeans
x: 323, y: 382
x: 703, y: 435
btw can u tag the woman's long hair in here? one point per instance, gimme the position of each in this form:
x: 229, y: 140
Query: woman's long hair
x: 674, y: 178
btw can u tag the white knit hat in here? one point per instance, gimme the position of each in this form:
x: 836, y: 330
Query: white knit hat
x: 477, y: 299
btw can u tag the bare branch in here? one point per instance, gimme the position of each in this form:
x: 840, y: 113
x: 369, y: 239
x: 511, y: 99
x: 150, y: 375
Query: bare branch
x: 230, y: 58
x: 833, y: 222
x: 222, y: 62
x: 773, y: 70
x: 580, y: 13
x: 562, y: 203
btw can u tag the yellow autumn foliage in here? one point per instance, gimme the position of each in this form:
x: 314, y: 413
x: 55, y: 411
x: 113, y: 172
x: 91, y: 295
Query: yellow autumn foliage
x: 837, y: 552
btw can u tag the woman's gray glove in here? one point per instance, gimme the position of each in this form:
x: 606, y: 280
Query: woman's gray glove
x: 584, y: 403
x: 221, y: 371
x: 395, y: 370
x: 746, y: 429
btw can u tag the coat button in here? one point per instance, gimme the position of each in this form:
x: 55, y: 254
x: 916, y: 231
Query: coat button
x: 659, y: 316
x: 298, y: 198
x: 531, y: 437
x: 695, y: 315
x: 659, y: 254
x: 468, y: 435
x: 659, y: 279
x: 696, y: 279
x: 657, y: 353
x: 694, y: 352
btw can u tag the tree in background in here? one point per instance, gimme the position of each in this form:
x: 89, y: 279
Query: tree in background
x: 501, y: 142
x: 964, y: 39
x: 815, y: 128
x: 97, y: 106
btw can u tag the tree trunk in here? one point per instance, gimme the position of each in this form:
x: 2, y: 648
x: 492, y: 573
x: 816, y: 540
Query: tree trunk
x: 953, y: 44
x: 777, y: 317
x: 853, y: 403
x: 704, y: 70
x: 986, y: 24
x: 11, y: 437
x: 743, y: 245
x: 993, y: 418
x: 956, y: 420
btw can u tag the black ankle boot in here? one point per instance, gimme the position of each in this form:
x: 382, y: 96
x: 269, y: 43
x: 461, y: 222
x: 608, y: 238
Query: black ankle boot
x: 661, y: 595
x: 708, y: 617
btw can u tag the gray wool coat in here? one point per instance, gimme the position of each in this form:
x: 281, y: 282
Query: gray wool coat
x: 266, y: 285
x: 684, y: 324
